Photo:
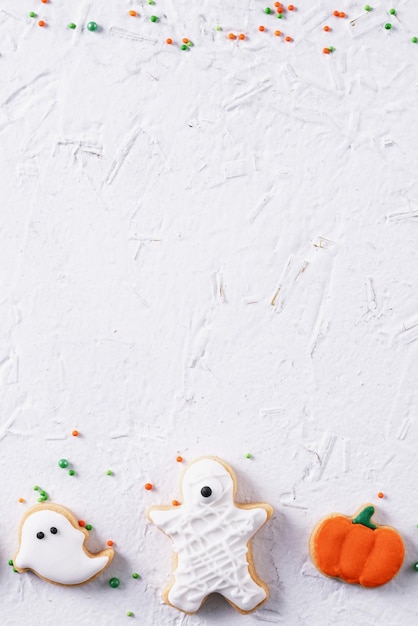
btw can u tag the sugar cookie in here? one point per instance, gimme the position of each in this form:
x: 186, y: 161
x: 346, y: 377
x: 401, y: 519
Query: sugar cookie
x: 211, y: 540
x: 51, y: 544
x: 356, y: 550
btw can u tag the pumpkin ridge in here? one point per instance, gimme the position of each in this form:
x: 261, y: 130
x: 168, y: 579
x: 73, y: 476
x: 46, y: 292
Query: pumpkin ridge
x: 395, y: 566
x: 341, y: 552
x: 369, y: 557
x: 347, y: 538
x: 371, y: 549
x: 328, y: 561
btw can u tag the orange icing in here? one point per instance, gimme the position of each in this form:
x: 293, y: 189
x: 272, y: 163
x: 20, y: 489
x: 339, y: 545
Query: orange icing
x: 356, y: 553
x: 388, y: 546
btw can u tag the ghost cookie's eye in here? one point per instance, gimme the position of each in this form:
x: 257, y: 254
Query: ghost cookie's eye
x: 206, y: 492
x: 40, y: 535
x: 53, y: 530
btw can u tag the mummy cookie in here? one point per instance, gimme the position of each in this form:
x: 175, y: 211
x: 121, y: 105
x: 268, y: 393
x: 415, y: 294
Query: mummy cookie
x: 51, y: 544
x: 211, y: 540
x: 356, y: 550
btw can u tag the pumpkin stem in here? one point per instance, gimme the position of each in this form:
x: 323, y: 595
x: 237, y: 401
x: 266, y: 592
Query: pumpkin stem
x: 364, y: 517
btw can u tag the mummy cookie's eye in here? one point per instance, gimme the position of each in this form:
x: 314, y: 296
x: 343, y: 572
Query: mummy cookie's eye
x: 208, y: 491
x: 40, y: 535
x: 53, y: 530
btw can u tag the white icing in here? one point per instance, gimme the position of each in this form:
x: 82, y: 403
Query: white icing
x: 210, y: 536
x: 58, y: 557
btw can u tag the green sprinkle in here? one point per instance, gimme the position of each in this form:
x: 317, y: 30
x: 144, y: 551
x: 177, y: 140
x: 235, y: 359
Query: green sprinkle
x: 109, y: 472
x: 392, y: 11
x: 63, y: 463
x: 129, y: 613
x: 218, y: 27
x: 280, y: 15
x: 184, y: 47
x: 135, y: 575
x: 15, y: 570
x: 10, y: 562
x: 92, y: 26
x: 71, y: 472
x: 248, y: 455
x: 267, y: 10
x: 114, y: 583
x: 388, y: 26
x: 331, y: 48
x: 41, y: 499
x: 72, y: 25
x: 32, y: 14
x: 151, y: 2
x: 190, y: 44
x: 414, y: 39
x: 154, y: 18
x: 42, y: 493
x: 89, y: 526
x: 36, y: 489
x: 415, y: 566
x: 367, y: 7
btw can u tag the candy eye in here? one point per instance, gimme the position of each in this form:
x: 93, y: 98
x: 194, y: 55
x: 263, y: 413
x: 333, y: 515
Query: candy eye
x: 206, y: 492
x: 53, y: 530
x: 209, y: 492
x: 40, y: 535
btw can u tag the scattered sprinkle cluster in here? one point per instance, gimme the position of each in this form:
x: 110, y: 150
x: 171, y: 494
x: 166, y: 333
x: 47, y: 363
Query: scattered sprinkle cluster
x: 279, y: 11
x: 43, y: 496
x: 63, y: 464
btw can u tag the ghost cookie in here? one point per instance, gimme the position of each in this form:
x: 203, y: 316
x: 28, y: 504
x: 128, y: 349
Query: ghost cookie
x: 211, y: 540
x: 51, y: 544
x: 356, y: 550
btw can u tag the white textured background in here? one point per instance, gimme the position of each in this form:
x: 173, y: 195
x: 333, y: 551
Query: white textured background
x: 154, y: 203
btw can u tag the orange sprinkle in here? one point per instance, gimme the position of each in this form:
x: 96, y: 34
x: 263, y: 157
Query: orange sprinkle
x: 148, y: 486
x: 261, y: 28
x: 169, y: 41
x: 280, y: 10
x: 288, y: 38
x: 380, y: 494
x: 175, y: 503
x: 336, y: 13
x: 327, y: 29
x: 21, y: 499
x: 75, y: 433
x: 179, y: 459
x: 185, y: 40
x: 342, y: 14
x: 41, y: 23
x: 241, y: 36
x: 277, y: 33
x: 81, y: 522
x: 325, y: 50
x: 291, y: 7
x: 232, y: 36
x: 277, y: 4
x: 110, y: 542
x: 133, y: 13
x: 44, y: 1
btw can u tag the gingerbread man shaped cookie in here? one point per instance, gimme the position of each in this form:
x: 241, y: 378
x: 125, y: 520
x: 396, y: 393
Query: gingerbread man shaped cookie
x: 211, y: 540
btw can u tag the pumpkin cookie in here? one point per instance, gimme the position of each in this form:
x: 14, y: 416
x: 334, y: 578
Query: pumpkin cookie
x: 356, y: 550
